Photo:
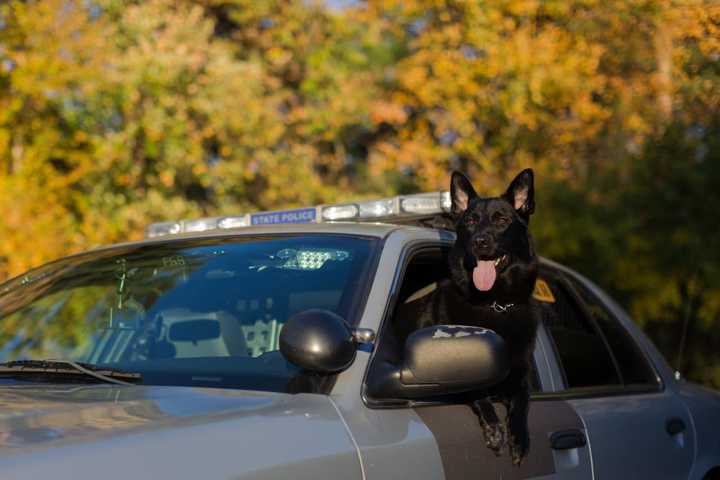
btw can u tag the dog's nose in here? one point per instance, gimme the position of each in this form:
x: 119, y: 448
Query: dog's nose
x: 483, y: 241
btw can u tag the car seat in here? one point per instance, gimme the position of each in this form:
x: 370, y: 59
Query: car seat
x: 231, y: 341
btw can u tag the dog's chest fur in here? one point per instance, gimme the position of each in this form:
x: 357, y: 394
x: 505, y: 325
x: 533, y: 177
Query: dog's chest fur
x: 445, y: 305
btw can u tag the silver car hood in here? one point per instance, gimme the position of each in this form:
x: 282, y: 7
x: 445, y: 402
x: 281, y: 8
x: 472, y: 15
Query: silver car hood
x: 106, y: 431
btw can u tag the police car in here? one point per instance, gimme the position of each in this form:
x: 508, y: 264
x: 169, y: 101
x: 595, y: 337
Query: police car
x: 245, y: 347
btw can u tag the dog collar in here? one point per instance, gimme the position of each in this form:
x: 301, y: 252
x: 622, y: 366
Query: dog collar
x: 501, y: 308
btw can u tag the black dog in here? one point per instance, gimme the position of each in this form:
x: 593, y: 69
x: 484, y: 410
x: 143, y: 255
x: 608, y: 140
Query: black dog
x: 493, y: 268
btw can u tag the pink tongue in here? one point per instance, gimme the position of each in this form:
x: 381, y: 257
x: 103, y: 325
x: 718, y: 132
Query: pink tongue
x: 484, y: 275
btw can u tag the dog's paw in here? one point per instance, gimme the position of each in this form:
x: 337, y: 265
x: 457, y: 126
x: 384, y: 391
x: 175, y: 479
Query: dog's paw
x: 517, y: 456
x: 495, y: 438
x: 519, y: 449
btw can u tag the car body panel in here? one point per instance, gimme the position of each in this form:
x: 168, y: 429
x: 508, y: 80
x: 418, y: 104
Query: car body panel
x: 703, y: 405
x: 629, y: 439
x: 464, y: 455
x: 637, y: 419
x: 377, y: 230
x: 393, y: 443
x: 105, y: 431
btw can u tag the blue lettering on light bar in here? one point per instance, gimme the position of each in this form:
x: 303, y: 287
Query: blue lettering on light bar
x: 300, y: 215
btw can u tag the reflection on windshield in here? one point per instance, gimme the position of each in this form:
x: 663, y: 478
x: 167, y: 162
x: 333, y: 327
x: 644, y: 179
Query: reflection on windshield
x: 202, y: 312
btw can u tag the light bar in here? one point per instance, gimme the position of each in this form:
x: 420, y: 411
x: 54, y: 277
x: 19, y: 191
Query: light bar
x: 234, y: 222
x: 426, y: 203
x: 378, y: 208
x: 200, y: 225
x: 400, y: 209
x: 162, y: 228
x: 340, y: 212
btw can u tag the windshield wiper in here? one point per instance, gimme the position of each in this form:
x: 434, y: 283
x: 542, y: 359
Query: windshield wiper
x: 68, y: 368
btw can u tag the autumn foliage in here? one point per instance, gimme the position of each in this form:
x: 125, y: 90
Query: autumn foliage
x: 114, y: 114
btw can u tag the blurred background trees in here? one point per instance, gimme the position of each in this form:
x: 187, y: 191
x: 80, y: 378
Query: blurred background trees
x: 114, y: 114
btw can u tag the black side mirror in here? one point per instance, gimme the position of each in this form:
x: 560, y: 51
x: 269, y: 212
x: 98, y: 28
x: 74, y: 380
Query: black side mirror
x: 442, y: 360
x: 318, y: 340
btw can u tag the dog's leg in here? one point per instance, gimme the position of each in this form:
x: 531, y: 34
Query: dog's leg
x: 518, y: 406
x: 493, y: 429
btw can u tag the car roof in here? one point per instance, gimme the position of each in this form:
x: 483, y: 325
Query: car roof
x: 369, y: 229
x: 377, y: 230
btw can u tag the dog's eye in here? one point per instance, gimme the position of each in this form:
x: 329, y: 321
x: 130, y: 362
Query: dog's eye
x: 500, y: 220
x: 471, y: 221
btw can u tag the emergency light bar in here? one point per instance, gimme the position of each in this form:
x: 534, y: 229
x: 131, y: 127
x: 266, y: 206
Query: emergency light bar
x: 400, y: 209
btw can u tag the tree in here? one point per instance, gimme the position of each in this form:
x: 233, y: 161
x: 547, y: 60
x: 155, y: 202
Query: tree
x: 48, y: 50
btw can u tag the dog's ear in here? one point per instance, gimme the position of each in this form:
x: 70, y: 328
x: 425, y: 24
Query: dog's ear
x: 461, y: 192
x: 521, y: 193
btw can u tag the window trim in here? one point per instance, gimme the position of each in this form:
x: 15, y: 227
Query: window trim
x: 409, y: 252
x: 357, y: 302
x: 596, y: 392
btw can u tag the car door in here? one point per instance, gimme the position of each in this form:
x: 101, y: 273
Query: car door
x: 636, y: 427
x: 558, y: 447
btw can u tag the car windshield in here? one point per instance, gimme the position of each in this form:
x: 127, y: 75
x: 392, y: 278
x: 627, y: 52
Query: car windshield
x: 186, y: 312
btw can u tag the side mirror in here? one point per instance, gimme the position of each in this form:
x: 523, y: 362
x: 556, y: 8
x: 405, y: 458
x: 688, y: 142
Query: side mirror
x: 442, y: 360
x: 318, y: 340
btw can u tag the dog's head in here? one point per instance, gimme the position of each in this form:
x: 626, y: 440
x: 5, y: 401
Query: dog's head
x: 493, y: 257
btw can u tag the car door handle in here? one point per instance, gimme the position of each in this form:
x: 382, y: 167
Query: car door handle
x: 567, y: 439
x: 674, y: 425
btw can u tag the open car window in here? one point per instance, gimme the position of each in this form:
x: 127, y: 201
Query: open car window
x: 423, y: 271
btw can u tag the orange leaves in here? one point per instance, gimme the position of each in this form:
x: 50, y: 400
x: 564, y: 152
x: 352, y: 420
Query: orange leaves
x: 517, y: 81
x: 386, y: 112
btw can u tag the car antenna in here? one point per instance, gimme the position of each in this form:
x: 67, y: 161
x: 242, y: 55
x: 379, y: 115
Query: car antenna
x: 683, y: 338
